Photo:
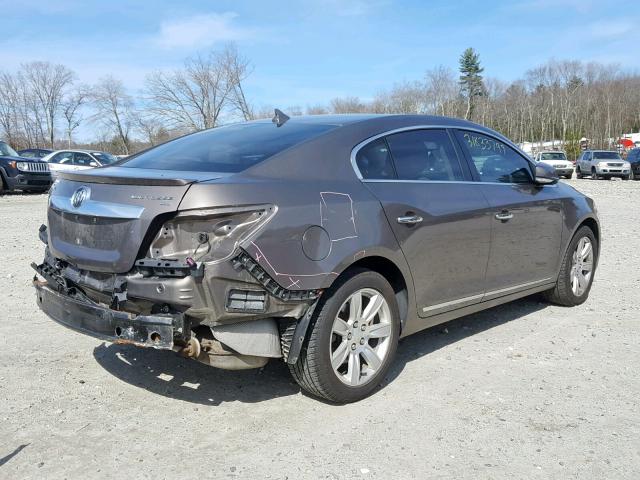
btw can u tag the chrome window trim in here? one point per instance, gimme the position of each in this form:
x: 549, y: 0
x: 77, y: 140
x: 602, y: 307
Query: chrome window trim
x: 361, y: 145
x: 449, y: 182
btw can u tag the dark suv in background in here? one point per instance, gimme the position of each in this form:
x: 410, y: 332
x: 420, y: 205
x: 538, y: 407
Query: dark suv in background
x: 18, y: 173
x: 633, y: 157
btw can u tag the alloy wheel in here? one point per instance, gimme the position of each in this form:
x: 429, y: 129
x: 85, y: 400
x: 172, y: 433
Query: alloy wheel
x: 582, y: 266
x: 361, y: 337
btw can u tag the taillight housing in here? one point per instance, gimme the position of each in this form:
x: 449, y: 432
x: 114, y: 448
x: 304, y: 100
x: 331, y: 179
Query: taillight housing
x: 209, y: 235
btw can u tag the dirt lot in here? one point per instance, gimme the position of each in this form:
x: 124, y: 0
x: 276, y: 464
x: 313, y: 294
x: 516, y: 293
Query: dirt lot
x: 525, y: 390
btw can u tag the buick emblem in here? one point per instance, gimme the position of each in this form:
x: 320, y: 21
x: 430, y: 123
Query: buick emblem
x: 79, y: 196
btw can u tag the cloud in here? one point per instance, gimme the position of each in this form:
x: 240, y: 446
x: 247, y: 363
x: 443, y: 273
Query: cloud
x: 201, y: 31
x: 581, y: 6
x: 611, y: 29
x: 347, y: 8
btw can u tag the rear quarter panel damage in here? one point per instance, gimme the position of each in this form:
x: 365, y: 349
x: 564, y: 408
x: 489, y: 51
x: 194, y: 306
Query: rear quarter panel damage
x: 352, y: 218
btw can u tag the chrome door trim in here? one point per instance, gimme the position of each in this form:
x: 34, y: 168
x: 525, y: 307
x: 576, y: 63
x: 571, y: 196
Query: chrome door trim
x: 453, y: 302
x: 483, y: 296
x: 517, y: 287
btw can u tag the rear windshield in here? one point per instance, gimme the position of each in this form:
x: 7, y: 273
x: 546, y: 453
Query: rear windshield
x: 553, y: 156
x: 229, y: 149
x: 607, y: 155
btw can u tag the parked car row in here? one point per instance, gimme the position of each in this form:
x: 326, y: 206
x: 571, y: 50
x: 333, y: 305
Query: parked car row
x: 20, y: 173
x: 35, y: 169
x: 74, y: 160
x: 593, y: 163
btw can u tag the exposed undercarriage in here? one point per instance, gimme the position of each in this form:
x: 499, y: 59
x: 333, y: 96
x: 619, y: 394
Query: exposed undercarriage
x: 229, y: 314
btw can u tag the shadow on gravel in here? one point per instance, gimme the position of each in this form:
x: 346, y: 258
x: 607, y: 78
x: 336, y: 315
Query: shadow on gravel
x: 428, y: 341
x: 6, y: 458
x: 170, y: 375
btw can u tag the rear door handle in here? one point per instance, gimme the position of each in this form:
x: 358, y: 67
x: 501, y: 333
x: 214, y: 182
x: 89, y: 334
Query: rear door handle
x: 410, y: 219
x: 504, y: 216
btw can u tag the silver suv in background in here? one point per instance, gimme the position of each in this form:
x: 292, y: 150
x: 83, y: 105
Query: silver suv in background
x: 602, y: 164
x: 558, y: 160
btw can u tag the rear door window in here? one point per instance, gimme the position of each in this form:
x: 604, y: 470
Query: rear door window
x: 374, y: 161
x: 493, y: 160
x: 426, y: 155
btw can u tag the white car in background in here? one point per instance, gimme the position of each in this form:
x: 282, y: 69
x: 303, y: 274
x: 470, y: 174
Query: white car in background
x: 73, y: 160
x: 558, y: 160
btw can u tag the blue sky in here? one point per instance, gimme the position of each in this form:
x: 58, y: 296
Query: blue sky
x: 308, y: 52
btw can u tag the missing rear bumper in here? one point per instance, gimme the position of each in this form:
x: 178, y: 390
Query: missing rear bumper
x: 156, y: 331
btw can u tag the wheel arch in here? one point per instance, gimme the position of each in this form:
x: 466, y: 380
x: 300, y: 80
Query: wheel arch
x: 593, y: 224
x: 400, y: 281
x: 3, y: 178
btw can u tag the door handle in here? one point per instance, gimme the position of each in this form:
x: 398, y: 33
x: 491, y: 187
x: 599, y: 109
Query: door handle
x: 410, y: 219
x: 504, y: 216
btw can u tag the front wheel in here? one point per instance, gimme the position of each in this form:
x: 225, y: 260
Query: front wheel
x: 578, y: 173
x: 353, y: 339
x: 577, y: 270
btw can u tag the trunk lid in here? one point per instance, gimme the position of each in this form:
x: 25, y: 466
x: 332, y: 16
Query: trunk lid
x: 99, y: 220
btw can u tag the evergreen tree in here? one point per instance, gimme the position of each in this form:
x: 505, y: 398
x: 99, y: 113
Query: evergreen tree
x: 471, y: 85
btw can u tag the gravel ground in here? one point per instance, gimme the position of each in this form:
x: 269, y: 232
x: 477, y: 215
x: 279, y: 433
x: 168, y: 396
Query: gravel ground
x: 525, y: 390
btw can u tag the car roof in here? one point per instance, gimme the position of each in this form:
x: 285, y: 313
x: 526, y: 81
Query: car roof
x: 352, y: 118
x: 78, y: 150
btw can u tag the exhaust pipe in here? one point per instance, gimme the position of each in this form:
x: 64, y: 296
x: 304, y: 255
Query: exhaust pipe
x: 214, y: 353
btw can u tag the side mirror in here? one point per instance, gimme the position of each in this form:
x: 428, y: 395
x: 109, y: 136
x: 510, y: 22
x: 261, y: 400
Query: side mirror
x: 93, y: 164
x: 545, y: 174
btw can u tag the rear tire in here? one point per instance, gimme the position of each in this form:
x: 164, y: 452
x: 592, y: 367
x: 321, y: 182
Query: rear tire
x: 578, y: 173
x: 577, y: 263
x: 594, y: 175
x: 349, y: 352
x: 3, y: 186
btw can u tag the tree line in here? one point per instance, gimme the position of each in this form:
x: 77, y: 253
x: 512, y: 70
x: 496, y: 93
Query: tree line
x: 42, y: 104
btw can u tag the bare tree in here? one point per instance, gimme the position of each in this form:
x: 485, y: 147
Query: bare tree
x: 317, y: 110
x: 113, y: 107
x: 71, y: 111
x: 237, y: 69
x: 10, y: 103
x: 48, y: 83
x: 194, y: 98
x: 347, y: 105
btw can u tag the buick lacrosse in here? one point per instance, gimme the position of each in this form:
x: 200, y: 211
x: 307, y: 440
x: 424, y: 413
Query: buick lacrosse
x: 318, y: 240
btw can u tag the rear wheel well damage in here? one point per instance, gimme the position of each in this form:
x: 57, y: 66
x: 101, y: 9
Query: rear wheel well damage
x: 293, y: 334
x: 392, y: 274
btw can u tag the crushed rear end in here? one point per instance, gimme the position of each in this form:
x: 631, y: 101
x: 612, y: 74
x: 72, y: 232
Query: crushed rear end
x: 124, y: 263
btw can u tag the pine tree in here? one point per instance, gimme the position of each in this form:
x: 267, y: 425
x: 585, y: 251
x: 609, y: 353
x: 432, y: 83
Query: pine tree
x: 471, y: 85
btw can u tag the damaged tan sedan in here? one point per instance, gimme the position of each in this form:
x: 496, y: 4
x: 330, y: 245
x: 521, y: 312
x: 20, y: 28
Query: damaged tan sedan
x: 319, y: 241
